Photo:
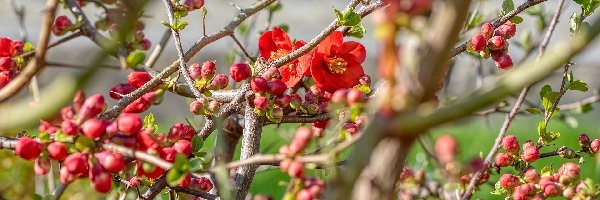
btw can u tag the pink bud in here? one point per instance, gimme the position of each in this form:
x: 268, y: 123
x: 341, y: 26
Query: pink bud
x: 93, y: 128
x: 487, y: 30
x: 276, y: 87
x: 259, y: 85
x: 28, y: 148
x: 509, y: 181
x: 208, y: 69
x: 261, y: 103
x: 196, y: 107
x: 137, y: 79
x: 506, y: 30
x: 121, y: 89
x: 240, y: 71
x: 496, y: 43
x: 61, y: 24
x: 478, y: 42
x: 57, y: 150
x: 503, y: 160
x: 129, y: 124
x: 92, y: 106
x: 7, y: 64
x: 194, y: 71
x: 41, y: 165
x: 184, y: 147
x: 219, y: 82
x: 446, y: 148
x: 511, y: 144
x: 69, y: 128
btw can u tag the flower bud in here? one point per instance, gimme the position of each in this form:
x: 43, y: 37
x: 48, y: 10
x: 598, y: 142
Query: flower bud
x: 129, y: 124
x: 487, y: 30
x: 76, y: 163
x: 584, y: 140
x: 296, y: 169
x: 208, y: 69
x: 7, y: 64
x: 365, y: 80
x: 61, y: 25
x: 121, y: 89
x: 506, y: 30
x: 531, y: 176
x: 276, y: 87
x: 351, y: 128
x: 28, y: 148
x: 551, y: 190
x: 196, y: 107
x: 283, y: 100
x: 272, y: 73
x: 259, y: 85
x: 261, y: 103
x: 214, y: 106
x: 240, y: 71
x: 202, y: 183
x: 65, y: 175
x: 511, y: 144
x: 194, y: 70
x: 503, y: 160
x: 219, y: 82
x: 496, y: 43
x: 595, y: 146
x: 184, y: 147
x: 530, y: 153
x: 57, y: 150
x: 145, y: 44
x: 509, y: 181
x: 137, y: 79
x: 295, y: 101
x: 446, y: 148
x: 478, y: 42
x: 93, y: 128
x: 193, y: 4
x: 92, y: 106
x: 355, y: 96
x: 69, y: 128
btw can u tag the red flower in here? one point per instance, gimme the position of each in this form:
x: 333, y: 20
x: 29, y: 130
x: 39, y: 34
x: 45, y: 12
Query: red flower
x: 337, y: 64
x: 7, y: 47
x: 276, y: 44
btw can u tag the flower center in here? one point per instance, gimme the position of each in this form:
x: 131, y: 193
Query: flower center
x: 278, y: 54
x: 336, y: 65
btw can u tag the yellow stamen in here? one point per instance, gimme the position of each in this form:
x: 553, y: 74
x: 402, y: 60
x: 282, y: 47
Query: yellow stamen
x: 336, y: 65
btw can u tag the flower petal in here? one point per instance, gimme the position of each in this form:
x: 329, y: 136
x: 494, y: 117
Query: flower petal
x: 281, y: 39
x: 333, y: 41
x: 266, y: 45
x: 353, y: 50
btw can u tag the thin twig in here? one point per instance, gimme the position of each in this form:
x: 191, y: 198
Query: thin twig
x: 197, y: 193
x: 242, y: 48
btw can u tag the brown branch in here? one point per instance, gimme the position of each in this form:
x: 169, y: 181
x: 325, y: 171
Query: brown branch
x: 237, y: 42
x: 498, y: 22
x: 35, y: 66
x: 197, y: 193
x: 155, y: 189
x: 579, y: 104
x: 250, y: 146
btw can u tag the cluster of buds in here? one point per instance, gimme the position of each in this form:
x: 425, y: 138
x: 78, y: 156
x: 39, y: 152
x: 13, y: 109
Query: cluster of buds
x: 62, y: 25
x: 270, y: 99
x: 86, y: 158
x: 492, y: 42
x: 205, y: 76
x: 136, y: 80
x: 510, y: 143
x: 531, y: 185
x: 305, y: 188
x: 9, y: 51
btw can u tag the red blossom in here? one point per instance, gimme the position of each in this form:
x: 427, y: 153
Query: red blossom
x: 276, y: 44
x: 337, y: 64
x: 7, y: 47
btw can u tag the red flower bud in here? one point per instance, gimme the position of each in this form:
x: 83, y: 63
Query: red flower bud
x: 259, y: 85
x: 76, y: 163
x: 121, y: 89
x: 137, y: 79
x: 28, y: 148
x: 57, y: 150
x: 276, y: 87
x: 69, y: 128
x: 261, y: 103
x: 272, y: 73
x: 196, y: 107
x: 184, y: 147
x: 509, y: 181
x: 506, y: 30
x: 7, y: 64
x: 283, y: 100
x: 134, y: 181
x: 180, y: 131
x: 496, y: 43
x: 569, y: 169
x: 511, y: 144
x: 101, y: 181
x: 7, y: 47
x: 129, y: 124
x: 544, y: 181
x: 194, y: 70
x: 530, y: 154
x: 112, y: 162
x: 503, y: 160
x: 220, y: 81
x: 145, y: 44
x: 202, y: 184
x: 5, y: 78
x: 301, y: 138
x: 142, y: 104
x: 531, y: 176
x: 595, y: 146
x: 551, y: 190
x: 446, y: 148
x: 186, y: 181
x: 487, y: 30
x: 240, y: 71
x: 355, y: 96
x: 296, y: 169
x: 65, y: 175
x: 524, y: 191
x: 365, y: 80
x: 351, y: 128
x: 339, y: 96
x: 584, y: 140
x: 478, y: 42
x: 569, y: 192
x: 295, y: 101
x: 79, y: 100
x: 208, y: 69
x: 193, y: 4
x: 61, y: 24
x: 91, y: 107
x: 41, y: 165
x: 284, y: 165
x: 93, y: 128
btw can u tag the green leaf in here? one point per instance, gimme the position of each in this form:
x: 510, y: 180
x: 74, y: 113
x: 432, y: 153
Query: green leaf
x: 84, y: 143
x: 534, y: 110
x: 181, y: 25
x: 545, y: 90
x: 27, y: 47
x: 516, y: 19
x: 357, y: 31
x: 167, y: 24
x: 339, y: 15
x: 174, y: 176
x: 136, y: 58
x: 585, y: 108
x: 588, y: 6
x: 507, y: 6
x: 351, y: 18
x: 578, y: 85
x: 546, y: 137
x: 546, y: 171
x: 474, y: 19
x: 197, y: 143
x: 499, y: 190
x: 284, y: 27
x: 549, y: 99
x: 363, y: 88
x: 44, y: 137
x: 149, y: 122
x: 59, y: 136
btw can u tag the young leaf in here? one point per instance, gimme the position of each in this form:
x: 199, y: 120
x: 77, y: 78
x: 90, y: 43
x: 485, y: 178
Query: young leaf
x: 534, y: 110
x: 516, y: 19
x: 474, y: 19
x: 136, y: 58
x: 357, y: 31
x: 507, y: 6
x: 546, y: 171
x: 149, y: 122
x: 549, y: 99
x: 351, y: 18
x: 545, y: 90
x: 197, y: 143
x: 578, y: 85
x: 174, y: 176
x: 499, y: 190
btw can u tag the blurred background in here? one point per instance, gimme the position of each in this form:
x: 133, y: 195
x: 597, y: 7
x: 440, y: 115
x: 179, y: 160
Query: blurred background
x: 306, y: 18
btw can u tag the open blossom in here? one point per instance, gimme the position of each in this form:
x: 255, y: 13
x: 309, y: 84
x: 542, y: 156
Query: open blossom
x: 276, y: 44
x: 337, y: 64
